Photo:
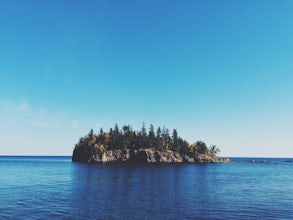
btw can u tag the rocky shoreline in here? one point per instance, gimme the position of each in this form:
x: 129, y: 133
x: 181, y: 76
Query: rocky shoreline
x: 142, y: 156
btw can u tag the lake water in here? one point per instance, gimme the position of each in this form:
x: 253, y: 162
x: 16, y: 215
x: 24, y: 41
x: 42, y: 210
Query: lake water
x: 56, y: 188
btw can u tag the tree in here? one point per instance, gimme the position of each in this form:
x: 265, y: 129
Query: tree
x: 91, y: 134
x: 159, y: 132
x: 116, y: 139
x: 143, y: 137
x: 175, y: 144
x: 202, y: 147
x: 152, y: 139
x: 184, y: 145
x: 101, y: 137
x: 151, y: 132
x: 165, y: 138
x: 126, y: 138
x: 143, y: 131
x: 116, y: 129
x: 214, y: 150
x: 126, y: 129
x: 159, y: 142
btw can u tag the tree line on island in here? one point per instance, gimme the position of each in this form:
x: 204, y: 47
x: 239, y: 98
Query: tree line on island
x: 128, y: 139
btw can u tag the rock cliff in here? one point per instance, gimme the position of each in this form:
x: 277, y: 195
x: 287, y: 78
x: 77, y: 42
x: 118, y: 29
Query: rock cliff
x: 141, y: 156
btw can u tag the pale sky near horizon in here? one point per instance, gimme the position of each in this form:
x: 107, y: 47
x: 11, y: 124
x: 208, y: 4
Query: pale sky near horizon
x: 217, y: 71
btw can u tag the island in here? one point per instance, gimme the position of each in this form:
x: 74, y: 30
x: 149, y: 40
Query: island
x: 128, y: 146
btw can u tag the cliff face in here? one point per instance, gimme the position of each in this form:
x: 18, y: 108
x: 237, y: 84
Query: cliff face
x: 141, y: 156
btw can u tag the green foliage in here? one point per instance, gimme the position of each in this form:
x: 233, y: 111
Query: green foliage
x: 126, y: 138
x: 91, y: 134
x: 201, y: 147
x: 214, y: 150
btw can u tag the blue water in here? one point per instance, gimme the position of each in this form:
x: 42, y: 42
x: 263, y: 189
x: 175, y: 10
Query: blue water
x: 56, y: 188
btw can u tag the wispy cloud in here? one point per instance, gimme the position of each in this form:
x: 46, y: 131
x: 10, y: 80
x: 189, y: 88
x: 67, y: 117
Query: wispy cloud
x: 37, y: 131
x: 21, y: 111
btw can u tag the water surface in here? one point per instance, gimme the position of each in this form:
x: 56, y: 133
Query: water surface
x: 56, y: 188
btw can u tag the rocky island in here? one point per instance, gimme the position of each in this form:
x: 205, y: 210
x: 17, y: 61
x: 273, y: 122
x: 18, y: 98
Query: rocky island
x: 128, y: 146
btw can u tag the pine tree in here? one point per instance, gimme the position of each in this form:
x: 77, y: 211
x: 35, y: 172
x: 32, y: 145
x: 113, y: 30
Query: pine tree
x: 126, y: 138
x: 159, y: 144
x: 151, y: 138
x: 174, y: 144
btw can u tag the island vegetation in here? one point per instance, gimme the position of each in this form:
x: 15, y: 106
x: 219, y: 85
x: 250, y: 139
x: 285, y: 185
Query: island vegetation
x: 127, y: 145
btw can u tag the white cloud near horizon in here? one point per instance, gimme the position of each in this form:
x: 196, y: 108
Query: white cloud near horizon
x: 30, y: 131
x: 27, y: 130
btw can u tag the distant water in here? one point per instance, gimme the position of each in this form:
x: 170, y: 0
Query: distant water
x: 56, y: 188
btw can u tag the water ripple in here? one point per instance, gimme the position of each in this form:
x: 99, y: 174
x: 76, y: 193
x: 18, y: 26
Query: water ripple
x: 39, y: 188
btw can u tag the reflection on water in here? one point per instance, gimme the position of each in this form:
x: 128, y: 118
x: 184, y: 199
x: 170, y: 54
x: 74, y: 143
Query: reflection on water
x: 152, y: 190
x: 213, y: 191
x: 56, y: 188
x: 125, y: 190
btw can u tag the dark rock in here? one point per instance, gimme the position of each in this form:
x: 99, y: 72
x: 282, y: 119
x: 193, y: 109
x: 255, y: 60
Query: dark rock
x: 138, y: 156
x: 87, y: 154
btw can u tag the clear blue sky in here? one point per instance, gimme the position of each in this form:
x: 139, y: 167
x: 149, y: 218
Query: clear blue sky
x: 218, y: 71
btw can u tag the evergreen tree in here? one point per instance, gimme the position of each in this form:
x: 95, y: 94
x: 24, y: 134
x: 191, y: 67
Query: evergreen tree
x: 143, y: 131
x: 159, y: 144
x: 116, y: 138
x: 101, y: 137
x: 91, y: 134
x: 126, y: 138
x: 175, y: 144
x: 151, y: 138
x: 165, y: 138
x: 201, y: 147
x: 159, y: 132
x: 144, y: 139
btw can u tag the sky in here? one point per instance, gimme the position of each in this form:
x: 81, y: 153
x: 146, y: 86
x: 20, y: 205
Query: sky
x: 217, y: 71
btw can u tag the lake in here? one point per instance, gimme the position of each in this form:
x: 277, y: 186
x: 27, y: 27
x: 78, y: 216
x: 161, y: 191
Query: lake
x: 56, y: 188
